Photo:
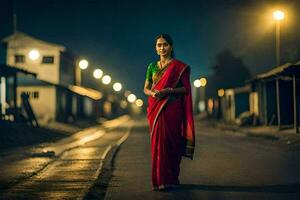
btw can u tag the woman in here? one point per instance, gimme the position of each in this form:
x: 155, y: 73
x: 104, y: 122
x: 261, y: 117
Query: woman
x: 170, y: 114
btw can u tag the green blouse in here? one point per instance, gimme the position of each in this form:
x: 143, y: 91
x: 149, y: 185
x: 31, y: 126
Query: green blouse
x: 154, y: 73
x: 151, y: 71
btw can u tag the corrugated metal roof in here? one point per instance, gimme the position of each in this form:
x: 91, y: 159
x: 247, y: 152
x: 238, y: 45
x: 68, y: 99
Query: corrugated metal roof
x: 273, y: 72
x: 280, y: 70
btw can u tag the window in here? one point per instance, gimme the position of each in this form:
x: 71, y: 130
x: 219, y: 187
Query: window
x: 48, y: 60
x: 19, y: 59
x: 32, y: 94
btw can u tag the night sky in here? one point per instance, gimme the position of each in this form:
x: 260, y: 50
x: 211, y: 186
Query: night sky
x: 118, y: 35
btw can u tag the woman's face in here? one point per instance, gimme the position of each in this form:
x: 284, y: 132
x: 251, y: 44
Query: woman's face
x: 163, y: 48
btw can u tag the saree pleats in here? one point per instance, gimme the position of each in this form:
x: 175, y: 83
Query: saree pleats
x: 166, y: 146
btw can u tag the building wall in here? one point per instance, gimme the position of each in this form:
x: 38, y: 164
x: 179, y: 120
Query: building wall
x: 253, y: 99
x: 286, y: 102
x: 230, y: 105
x: 67, y: 69
x: 42, y: 100
x: 47, y: 72
x: 241, y: 103
x: 64, y: 105
x: 271, y: 103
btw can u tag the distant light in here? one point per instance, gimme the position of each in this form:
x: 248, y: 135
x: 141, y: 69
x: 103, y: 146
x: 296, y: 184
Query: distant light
x: 117, y: 87
x: 278, y: 15
x: 83, y: 64
x: 197, y: 83
x: 106, y: 79
x: 123, y: 104
x: 34, y: 54
x: 201, y: 106
x: 131, y: 98
x: 139, y: 102
x: 98, y: 73
x: 203, y: 82
x: 127, y: 93
x: 221, y: 92
x: 210, y: 105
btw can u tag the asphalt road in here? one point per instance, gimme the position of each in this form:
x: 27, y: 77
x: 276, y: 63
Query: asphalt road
x: 71, y: 175
x: 226, y: 166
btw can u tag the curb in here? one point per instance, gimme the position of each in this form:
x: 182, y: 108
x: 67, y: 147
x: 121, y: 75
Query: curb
x: 53, y: 157
x: 98, y: 189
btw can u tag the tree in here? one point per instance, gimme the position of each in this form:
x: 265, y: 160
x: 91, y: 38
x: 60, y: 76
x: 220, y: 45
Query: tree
x: 229, y: 71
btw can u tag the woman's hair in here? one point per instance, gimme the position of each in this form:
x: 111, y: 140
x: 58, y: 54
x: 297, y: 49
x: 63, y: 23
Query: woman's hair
x: 169, y: 41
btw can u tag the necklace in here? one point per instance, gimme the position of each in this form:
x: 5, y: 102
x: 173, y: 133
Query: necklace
x: 163, y: 66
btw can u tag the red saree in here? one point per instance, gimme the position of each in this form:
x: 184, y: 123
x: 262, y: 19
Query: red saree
x: 171, y: 126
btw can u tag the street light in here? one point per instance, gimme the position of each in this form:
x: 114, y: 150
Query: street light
x: 197, y: 83
x: 83, y: 64
x: 278, y: 16
x: 139, y: 102
x: 131, y: 98
x: 98, y: 73
x: 34, y: 54
x: 106, y: 79
x: 203, y: 82
x: 221, y: 92
x: 117, y: 87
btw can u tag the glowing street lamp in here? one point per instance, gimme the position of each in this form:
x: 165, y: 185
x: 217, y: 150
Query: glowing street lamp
x: 278, y: 16
x: 83, y: 64
x: 131, y: 98
x: 139, y: 102
x: 197, y: 83
x: 117, y: 87
x: 34, y: 54
x: 98, y: 73
x: 203, y: 82
x: 106, y: 79
x: 221, y: 92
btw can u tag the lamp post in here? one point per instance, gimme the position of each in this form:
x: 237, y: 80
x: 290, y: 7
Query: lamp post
x: 203, y: 82
x: 199, y: 85
x: 82, y: 65
x: 278, y: 16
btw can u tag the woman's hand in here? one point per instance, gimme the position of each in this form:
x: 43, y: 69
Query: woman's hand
x: 161, y: 94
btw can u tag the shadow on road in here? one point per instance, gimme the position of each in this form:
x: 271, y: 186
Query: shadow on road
x: 280, y: 188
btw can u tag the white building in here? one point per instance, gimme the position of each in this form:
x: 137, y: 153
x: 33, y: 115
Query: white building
x: 52, y: 94
x: 49, y: 61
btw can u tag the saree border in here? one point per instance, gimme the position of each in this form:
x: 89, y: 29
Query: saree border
x: 165, y: 69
